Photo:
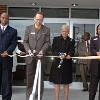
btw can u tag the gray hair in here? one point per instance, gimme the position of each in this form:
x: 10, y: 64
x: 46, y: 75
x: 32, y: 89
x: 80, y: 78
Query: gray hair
x: 64, y: 27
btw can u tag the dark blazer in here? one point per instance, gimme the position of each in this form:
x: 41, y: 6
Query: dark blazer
x: 94, y: 47
x: 63, y: 46
x: 68, y: 47
x: 8, y: 42
x: 64, y: 75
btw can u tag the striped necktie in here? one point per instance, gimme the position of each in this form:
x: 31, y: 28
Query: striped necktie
x: 3, y: 29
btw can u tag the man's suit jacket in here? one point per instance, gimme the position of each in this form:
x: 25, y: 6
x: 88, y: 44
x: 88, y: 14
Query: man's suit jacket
x: 82, y: 51
x: 94, y: 47
x: 8, y: 40
x: 36, y: 40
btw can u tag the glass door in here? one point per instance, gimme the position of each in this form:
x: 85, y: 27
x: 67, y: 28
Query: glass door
x: 79, y: 26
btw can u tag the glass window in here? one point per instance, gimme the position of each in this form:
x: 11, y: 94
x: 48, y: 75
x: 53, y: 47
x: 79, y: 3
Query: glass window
x: 30, y: 12
x: 56, y: 12
x: 22, y: 11
x: 20, y: 25
x: 85, y: 13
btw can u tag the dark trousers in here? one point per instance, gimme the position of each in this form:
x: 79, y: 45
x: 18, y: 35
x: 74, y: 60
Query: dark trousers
x: 94, y: 82
x: 6, y: 78
x: 30, y: 72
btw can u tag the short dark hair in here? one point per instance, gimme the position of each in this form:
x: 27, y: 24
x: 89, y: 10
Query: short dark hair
x: 87, y: 33
x: 97, y: 29
x: 41, y: 13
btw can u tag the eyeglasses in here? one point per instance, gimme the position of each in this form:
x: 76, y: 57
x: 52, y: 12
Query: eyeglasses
x: 39, y: 20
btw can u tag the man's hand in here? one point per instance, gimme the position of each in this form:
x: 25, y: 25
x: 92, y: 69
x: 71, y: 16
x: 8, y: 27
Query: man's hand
x: 40, y: 54
x: 22, y: 53
x: 30, y: 53
x: 98, y: 53
x: 4, y: 54
x: 34, y: 52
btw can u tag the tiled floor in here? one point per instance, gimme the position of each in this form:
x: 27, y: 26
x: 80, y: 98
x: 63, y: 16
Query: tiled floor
x: 19, y: 94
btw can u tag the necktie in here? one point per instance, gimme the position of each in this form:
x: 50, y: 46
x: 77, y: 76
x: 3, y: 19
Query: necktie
x: 3, y: 29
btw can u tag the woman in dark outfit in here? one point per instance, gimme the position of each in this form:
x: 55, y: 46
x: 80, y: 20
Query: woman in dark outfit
x: 62, y: 75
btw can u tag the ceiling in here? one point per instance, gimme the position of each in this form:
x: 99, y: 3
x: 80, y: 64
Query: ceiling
x: 52, y: 3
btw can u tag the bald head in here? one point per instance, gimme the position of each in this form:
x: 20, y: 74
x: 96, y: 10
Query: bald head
x: 4, y: 18
x: 5, y: 14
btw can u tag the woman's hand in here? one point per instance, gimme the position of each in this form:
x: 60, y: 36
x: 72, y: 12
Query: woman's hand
x: 68, y: 57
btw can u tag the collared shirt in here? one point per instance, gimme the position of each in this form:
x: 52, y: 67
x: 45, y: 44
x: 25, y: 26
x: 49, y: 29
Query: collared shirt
x: 87, y: 45
x: 3, y: 27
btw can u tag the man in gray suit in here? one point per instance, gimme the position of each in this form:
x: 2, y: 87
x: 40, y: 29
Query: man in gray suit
x: 36, y: 40
x: 84, y: 50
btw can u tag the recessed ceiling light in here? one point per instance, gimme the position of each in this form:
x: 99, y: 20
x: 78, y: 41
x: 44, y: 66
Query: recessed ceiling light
x: 74, y: 4
x: 34, y: 4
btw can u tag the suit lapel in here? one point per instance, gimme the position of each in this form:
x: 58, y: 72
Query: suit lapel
x: 96, y: 41
x: 39, y: 33
x: 0, y: 30
x: 83, y: 47
x: 32, y: 28
x: 6, y: 30
x: 32, y: 33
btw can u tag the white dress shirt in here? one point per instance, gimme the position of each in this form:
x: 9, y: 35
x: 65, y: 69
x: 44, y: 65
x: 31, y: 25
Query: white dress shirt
x: 3, y: 27
x: 87, y: 45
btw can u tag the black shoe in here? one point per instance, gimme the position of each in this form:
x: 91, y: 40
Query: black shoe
x: 85, y: 90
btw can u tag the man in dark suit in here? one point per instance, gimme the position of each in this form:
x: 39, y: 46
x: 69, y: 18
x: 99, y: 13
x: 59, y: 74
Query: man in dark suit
x: 8, y: 41
x: 84, y: 50
x: 95, y: 66
x: 36, y: 40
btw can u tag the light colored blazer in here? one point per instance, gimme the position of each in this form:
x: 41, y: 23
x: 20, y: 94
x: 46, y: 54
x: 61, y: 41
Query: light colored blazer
x: 36, y: 40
